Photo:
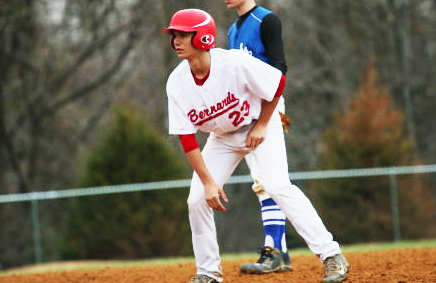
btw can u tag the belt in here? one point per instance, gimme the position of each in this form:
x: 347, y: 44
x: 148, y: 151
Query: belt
x: 244, y: 128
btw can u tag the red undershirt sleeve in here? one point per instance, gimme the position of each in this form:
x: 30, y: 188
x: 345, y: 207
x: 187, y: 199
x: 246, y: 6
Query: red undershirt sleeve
x: 281, y: 87
x: 188, y: 142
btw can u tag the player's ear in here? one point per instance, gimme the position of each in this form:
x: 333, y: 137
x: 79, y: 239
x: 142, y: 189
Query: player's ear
x: 172, y: 41
x: 172, y: 36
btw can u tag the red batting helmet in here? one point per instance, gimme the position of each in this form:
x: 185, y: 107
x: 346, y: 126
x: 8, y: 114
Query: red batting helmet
x: 198, y: 21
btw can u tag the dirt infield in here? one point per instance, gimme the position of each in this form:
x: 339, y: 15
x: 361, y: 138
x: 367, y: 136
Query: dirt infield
x: 392, y: 266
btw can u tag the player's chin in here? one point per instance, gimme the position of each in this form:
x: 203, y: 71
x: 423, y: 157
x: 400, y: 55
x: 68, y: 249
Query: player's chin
x: 181, y: 55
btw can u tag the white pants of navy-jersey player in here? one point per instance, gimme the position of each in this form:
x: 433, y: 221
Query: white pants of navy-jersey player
x: 221, y: 154
x: 273, y: 218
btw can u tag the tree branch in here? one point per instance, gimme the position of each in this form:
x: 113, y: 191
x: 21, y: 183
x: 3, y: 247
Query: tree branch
x: 83, y: 91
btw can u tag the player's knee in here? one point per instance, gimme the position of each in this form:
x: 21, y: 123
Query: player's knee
x: 194, y: 201
x: 275, y: 187
x: 196, y: 193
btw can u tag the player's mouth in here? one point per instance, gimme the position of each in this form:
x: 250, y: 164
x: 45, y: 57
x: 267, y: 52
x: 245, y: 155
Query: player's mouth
x: 228, y: 3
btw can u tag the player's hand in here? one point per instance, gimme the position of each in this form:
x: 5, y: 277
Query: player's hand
x: 213, y: 192
x: 256, y: 136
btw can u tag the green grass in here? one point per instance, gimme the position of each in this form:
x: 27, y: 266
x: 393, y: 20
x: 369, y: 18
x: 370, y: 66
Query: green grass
x: 80, y: 265
x: 349, y: 248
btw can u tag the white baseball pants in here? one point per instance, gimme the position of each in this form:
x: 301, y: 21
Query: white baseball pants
x: 222, y: 153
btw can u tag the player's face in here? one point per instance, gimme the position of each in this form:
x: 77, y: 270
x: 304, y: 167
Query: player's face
x: 183, y: 44
x: 234, y: 4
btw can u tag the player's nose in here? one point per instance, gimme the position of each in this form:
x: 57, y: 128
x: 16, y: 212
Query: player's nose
x: 176, y: 41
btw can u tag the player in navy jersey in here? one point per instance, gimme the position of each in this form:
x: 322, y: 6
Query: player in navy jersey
x: 258, y: 32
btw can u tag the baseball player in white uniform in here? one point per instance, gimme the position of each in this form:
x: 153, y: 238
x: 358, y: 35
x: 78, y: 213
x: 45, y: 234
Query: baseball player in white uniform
x: 233, y: 96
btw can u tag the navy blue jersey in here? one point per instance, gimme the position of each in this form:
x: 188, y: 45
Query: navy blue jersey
x: 247, y: 37
x: 259, y: 32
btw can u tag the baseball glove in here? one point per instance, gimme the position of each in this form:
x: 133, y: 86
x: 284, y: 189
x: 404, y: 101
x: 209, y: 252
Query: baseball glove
x: 286, y: 122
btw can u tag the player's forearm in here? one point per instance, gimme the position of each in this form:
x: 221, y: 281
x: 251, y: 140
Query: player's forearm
x: 196, y: 161
x: 268, y: 108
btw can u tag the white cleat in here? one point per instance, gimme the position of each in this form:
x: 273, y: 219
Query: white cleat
x: 335, y: 269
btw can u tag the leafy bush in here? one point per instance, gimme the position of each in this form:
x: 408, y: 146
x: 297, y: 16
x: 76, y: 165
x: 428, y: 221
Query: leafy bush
x: 129, y: 225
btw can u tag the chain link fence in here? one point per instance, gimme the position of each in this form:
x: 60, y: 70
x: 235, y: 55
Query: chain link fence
x: 235, y: 181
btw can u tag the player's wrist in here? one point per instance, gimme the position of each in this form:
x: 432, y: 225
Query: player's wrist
x: 208, y: 182
x: 261, y: 124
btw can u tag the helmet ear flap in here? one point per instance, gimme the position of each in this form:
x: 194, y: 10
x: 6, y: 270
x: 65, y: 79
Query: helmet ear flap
x: 206, y: 41
x: 193, y: 40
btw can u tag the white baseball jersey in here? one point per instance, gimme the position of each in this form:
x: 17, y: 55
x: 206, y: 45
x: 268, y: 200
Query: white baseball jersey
x: 229, y: 99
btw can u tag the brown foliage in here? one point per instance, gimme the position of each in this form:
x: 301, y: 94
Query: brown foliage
x: 371, y: 134
x: 371, y: 119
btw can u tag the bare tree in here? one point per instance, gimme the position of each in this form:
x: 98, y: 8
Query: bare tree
x: 51, y: 67
x: 61, y: 67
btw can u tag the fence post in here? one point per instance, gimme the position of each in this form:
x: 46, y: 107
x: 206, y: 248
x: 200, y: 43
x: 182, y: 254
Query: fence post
x: 36, y: 232
x: 394, y: 205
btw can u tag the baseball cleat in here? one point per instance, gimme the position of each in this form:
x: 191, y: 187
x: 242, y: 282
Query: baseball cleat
x: 271, y: 260
x: 202, y: 279
x: 335, y: 269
